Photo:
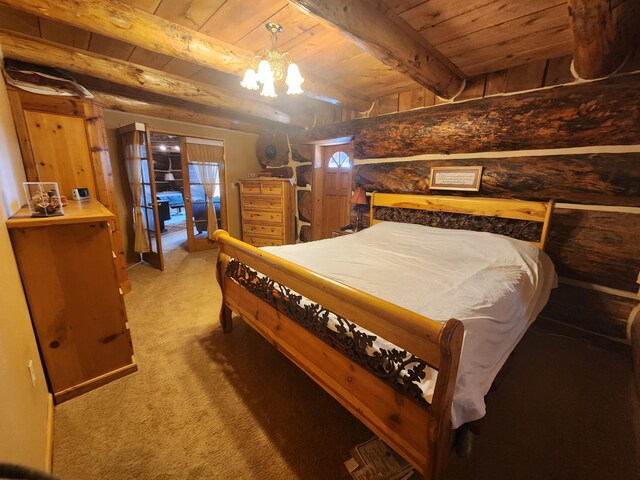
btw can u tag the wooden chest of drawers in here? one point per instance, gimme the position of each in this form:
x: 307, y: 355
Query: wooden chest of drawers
x: 267, y: 211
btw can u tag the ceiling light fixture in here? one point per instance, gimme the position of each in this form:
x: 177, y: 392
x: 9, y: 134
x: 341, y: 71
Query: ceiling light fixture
x: 273, y: 67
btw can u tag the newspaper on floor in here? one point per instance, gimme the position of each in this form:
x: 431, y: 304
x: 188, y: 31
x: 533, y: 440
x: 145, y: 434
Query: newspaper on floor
x: 374, y: 460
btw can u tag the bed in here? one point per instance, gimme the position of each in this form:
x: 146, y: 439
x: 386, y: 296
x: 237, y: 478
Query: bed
x: 342, y: 310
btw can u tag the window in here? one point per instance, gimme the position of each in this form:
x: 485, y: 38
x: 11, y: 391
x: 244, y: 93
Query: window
x: 339, y: 160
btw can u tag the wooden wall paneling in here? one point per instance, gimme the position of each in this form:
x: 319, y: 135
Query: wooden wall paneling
x: 191, y: 15
x: 605, y: 112
x: 65, y: 34
x: 590, y: 310
x: 559, y: 71
x: 473, y: 89
x: 597, y: 178
x: 389, y: 104
x: 419, y: 97
x: 149, y: 59
x: 599, y: 247
x: 526, y: 77
x: 404, y: 101
x: 496, y: 83
x: 110, y: 47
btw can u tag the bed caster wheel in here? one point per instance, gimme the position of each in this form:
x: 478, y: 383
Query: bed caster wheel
x: 464, y: 442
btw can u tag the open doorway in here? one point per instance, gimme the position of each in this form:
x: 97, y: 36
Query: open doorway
x: 189, y: 178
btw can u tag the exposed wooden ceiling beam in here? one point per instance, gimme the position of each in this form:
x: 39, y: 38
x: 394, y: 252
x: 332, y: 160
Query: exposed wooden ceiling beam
x: 170, y: 112
x: 604, y: 35
x: 367, y: 25
x: 39, y: 51
x: 129, y: 24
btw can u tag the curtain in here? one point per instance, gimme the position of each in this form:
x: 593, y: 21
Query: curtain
x: 133, y: 161
x: 206, y: 159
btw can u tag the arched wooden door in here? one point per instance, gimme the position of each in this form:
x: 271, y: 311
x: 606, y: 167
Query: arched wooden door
x: 337, y: 165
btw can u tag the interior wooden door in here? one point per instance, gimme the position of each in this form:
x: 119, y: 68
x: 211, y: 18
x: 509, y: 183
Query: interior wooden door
x: 336, y: 183
x: 198, y: 155
x: 137, y: 155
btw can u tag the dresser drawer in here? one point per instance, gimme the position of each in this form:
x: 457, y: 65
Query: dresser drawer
x: 264, y: 203
x: 262, y: 241
x: 271, y: 188
x: 250, y: 187
x: 261, y: 188
x: 257, y: 216
x: 271, y: 230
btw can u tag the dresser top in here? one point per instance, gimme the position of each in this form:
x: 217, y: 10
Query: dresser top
x: 84, y: 211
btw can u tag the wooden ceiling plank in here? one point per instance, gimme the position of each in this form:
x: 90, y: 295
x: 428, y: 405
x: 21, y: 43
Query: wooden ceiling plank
x: 604, y: 35
x: 43, y: 52
x: 511, y: 33
x: 26, y: 23
x: 523, y: 57
x: 499, y: 12
x: 427, y: 14
x: 65, y: 34
x: 183, y: 68
x: 171, y: 112
x: 191, y: 14
x: 109, y: 47
x: 537, y: 40
x: 233, y: 20
x: 293, y: 21
x: 146, y: 58
x: 401, y: 6
x: 128, y: 24
x: 374, y: 32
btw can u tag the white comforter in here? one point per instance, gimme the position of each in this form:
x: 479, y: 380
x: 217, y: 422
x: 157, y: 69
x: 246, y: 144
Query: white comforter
x: 494, y: 284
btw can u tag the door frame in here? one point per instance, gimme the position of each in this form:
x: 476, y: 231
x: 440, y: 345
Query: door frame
x: 317, y: 180
x: 194, y: 244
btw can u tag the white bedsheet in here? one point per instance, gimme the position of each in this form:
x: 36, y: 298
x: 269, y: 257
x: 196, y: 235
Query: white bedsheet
x: 494, y: 284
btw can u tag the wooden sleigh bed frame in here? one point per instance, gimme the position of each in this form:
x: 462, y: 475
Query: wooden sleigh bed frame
x: 421, y: 433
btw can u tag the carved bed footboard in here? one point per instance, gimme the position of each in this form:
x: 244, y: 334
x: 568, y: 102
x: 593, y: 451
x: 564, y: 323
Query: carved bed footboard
x: 419, y: 431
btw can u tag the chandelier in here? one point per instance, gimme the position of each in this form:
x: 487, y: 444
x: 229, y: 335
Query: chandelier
x: 273, y: 67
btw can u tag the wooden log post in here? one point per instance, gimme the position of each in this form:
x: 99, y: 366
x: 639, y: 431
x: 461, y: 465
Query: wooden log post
x: 604, y: 35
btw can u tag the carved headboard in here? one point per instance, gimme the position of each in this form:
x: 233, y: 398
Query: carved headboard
x: 519, y: 219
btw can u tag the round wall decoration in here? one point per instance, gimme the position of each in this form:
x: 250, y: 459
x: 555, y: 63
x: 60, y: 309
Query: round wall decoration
x: 272, y: 149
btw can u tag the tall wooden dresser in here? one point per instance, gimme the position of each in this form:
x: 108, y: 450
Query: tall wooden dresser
x: 267, y: 211
x: 69, y: 274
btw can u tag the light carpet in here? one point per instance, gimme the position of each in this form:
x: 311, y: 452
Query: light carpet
x: 205, y: 405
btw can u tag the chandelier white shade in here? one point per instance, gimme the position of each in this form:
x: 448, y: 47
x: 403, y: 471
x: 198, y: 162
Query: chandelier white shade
x: 271, y: 68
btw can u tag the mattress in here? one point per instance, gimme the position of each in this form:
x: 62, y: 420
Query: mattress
x: 494, y: 284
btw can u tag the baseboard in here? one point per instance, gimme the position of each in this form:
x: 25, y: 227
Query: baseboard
x: 48, y: 454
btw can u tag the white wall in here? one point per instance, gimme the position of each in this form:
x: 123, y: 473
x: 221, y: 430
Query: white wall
x: 23, y: 406
x: 240, y: 159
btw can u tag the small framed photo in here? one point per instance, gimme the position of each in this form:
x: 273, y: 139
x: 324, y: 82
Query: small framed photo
x: 455, y: 178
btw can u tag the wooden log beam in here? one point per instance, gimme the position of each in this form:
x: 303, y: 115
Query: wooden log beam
x: 169, y: 112
x: 129, y: 24
x: 28, y: 49
x: 604, y: 33
x: 605, y: 112
x: 370, y: 28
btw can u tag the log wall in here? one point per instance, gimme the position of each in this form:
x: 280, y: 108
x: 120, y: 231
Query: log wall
x: 578, y: 144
